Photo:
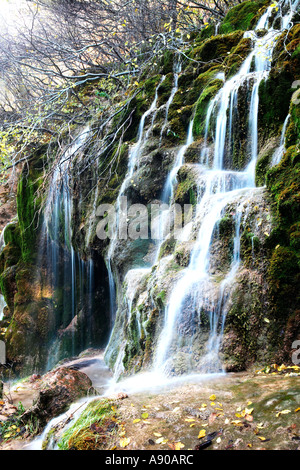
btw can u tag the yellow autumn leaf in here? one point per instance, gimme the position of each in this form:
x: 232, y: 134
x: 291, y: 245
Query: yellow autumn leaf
x: 145, y: 415
x: 202, y: 434
x: 284, y: 412
x: 178, y: 445
x: 261, y: 438
x: 157, y: 434
x: 189, y: 420
x: 136, y: 421
x: 124, y: 442
x: 297, y: 409
x: 212, y: 397
x: 159, y: 441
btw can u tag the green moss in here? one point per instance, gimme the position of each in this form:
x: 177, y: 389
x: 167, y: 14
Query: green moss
x: 186, y: 192
x: 165, y: 89
x: 82, y: 435
x: 274, y: 101
x: 178, y: 126
x: 225, y: 226
x: 29, y: 204
x: 167, y: 62
x: 216, y: 47
x: 133, y: 345
x: 243, y: 16
x: 161, y: 299
x: 167, y: 247
x: 294, y: 235
x: 262, y: 166
x: 293, y: 130
x: 8, y: 286
x: 238, y: 54
x: 202, y: 106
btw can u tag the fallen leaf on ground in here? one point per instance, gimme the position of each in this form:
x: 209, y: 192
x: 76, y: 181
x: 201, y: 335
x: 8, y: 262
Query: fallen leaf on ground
x: 202, y: 434
x: 212, y: 418
x: 176, y: 410
x: 178, y: 445
x: 124, y: 442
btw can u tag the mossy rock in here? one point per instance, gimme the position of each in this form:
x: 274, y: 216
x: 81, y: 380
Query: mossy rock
x: 264, y: 161
x: 237, y: 56
x: 85, y: 433
x: 29, y: 204
x: 167, y: 62
x: 202, y: 106
x: 216, y: 47
x: 165, y: 89
x: 178, y: 126
x: 186, y: 192
x: 243, y: 16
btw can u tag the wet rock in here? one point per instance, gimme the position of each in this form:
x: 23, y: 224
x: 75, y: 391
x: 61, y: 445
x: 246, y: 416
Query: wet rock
x: 60, y: 388
x: 178, y: 365
x: 34, y: 378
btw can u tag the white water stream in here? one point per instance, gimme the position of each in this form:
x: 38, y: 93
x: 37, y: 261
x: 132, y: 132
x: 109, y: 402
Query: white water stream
x: 222, y: 187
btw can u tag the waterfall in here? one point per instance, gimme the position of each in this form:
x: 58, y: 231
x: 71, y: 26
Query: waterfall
x: 133, y: 162
x: 197, y: 289
x: 63, y: 265
x: 279, y: 152
x: 176, y: 73
x: 2, y: 300
x: 171, y: 179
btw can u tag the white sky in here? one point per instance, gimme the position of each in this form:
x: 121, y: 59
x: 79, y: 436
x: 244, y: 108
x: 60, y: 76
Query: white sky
x: 9, y: 10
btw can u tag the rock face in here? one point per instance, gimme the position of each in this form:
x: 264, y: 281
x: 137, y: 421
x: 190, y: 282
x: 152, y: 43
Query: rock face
x: 59, y: 389
x: 262, y: 304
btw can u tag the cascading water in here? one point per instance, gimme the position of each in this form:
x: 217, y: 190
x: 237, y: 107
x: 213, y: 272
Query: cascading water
x: 279, y: 152
x: 176, y: 73
x: 133, y: 162
x: 63, y: 265
x: 2, y: 300
x: 219, y: 188
x: 222, y: 187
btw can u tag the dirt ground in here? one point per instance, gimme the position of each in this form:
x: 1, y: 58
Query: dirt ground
x: 239, y: 411
x: 245, y: 411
